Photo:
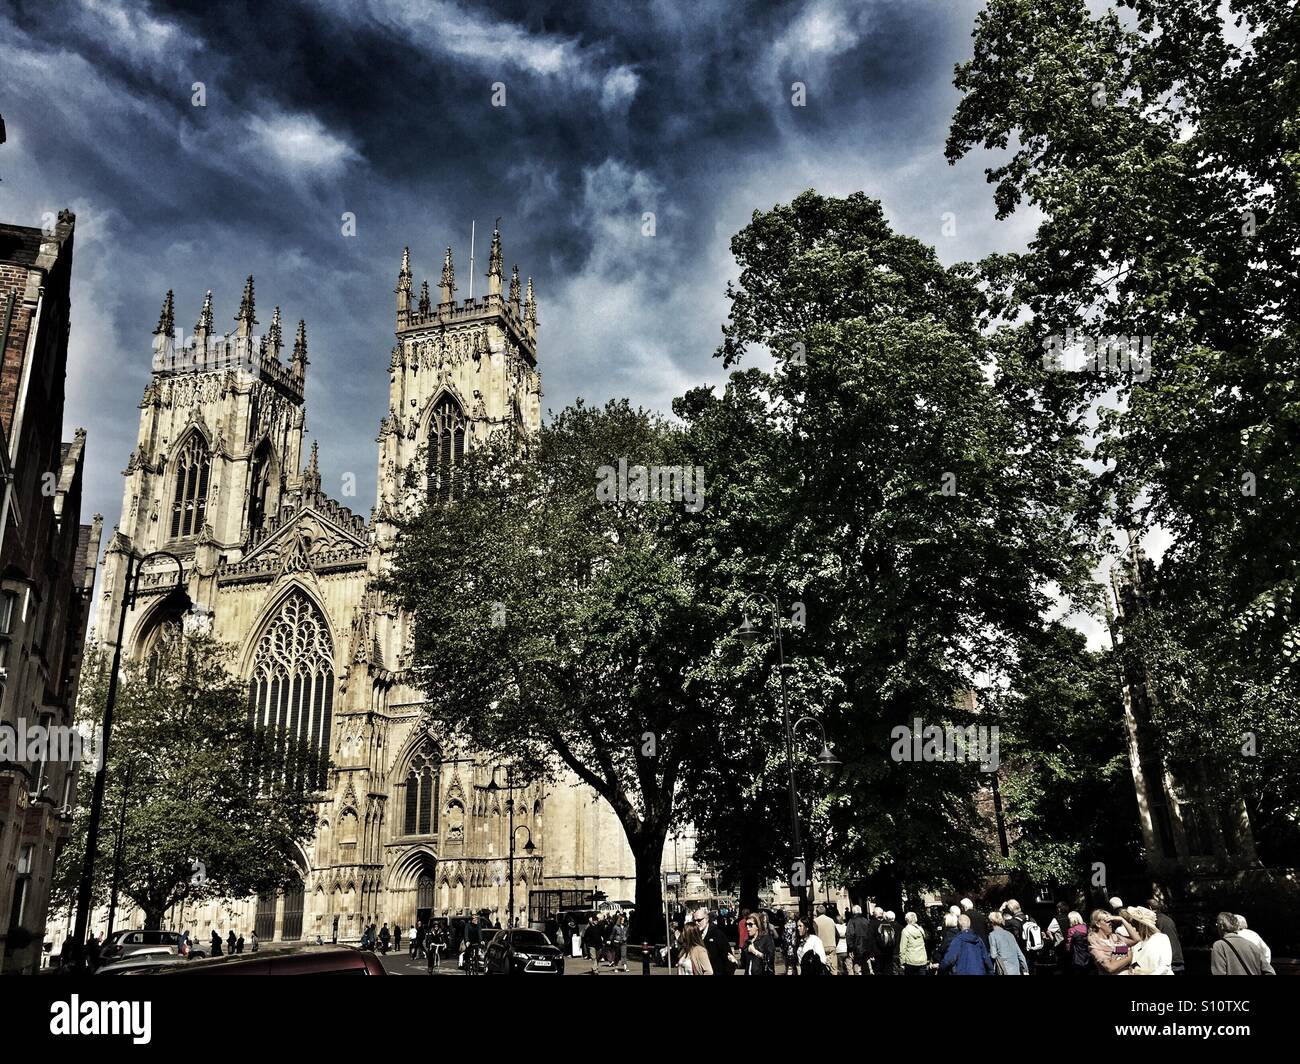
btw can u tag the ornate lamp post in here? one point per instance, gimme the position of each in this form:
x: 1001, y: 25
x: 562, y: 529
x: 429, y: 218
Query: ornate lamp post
x: 529, y: 848
x: 196, y: 622
x: 750, y: 632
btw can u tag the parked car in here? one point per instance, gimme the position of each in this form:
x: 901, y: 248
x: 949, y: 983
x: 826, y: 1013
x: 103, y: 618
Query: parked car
x: 300, y: 960
x: 523, y: 951
x: 145, y: 960
x: 123, y: 944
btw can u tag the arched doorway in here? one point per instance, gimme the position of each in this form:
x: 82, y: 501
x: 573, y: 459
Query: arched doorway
x: 293, y: 905
x: 424, y: 898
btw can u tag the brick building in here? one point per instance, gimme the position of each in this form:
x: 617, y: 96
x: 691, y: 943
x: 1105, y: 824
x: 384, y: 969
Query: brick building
x: 47, y: 569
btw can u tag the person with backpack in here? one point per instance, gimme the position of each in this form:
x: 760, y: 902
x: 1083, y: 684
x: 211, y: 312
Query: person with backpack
x: 1234, y: 955
x: 1024, y: 928
x: 810, y: 957
x: 967, y: 955
x: 886, y: 945
x: 1008, y: 959
x: 912, y: 953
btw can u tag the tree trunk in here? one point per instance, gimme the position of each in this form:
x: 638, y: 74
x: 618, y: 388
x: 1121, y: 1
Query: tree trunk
x: 648, y: 920
x: 153, y: 918
x: 749, y: 884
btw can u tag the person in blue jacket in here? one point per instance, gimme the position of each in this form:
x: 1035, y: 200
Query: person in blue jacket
x: 967, y: 954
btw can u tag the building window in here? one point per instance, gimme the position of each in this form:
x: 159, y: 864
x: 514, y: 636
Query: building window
x: 446, y: 448
x: 422, y: 794
x: 161, y: 646
x: 190, y: 498
x: 259, y: 487
x: 8, y: 606
x: 292, y: 690
x: 22, y: 881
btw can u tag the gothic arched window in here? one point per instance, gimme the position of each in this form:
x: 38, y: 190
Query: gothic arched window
x: 292, y: 690
x: 446, y: 448
x: 190, y: 495
x: 160, y: 647
x: 422, y: 794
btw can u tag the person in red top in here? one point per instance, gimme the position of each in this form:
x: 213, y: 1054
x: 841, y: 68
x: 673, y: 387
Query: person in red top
x: 744, y: 928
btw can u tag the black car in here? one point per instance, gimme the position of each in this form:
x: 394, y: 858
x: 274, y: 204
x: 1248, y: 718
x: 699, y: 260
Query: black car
x: 523, y: 951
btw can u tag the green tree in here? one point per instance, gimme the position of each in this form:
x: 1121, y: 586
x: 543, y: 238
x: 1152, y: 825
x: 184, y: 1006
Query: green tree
x: 190, y: 780
x: 1161, y: 145
x: 556, y: 626
x: 896, y: 475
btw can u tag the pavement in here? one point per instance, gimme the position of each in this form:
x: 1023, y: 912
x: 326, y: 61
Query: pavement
x: 401, y: 964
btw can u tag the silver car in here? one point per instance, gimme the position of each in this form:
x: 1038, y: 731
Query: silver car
x: 125, y: 944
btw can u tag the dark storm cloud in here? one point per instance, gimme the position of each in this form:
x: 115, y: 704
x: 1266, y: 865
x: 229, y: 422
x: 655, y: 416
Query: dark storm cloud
x: 383, y: 108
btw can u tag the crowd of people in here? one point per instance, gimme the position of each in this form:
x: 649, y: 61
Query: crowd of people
x: 1115, y: 940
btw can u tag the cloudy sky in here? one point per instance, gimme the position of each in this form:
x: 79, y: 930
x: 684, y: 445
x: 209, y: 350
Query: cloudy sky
x: 383, y: 108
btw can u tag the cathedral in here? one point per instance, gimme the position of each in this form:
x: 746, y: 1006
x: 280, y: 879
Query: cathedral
x: 410, y: 826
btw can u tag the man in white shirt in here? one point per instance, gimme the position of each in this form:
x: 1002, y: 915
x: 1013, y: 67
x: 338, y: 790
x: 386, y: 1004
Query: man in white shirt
x: 1253, y: 936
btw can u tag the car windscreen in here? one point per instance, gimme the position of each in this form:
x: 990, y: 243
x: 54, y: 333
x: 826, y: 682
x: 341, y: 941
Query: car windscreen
x: 524, y: 939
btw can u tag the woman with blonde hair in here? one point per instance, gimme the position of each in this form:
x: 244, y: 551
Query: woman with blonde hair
x: 912, y: 954
x: 692, y: 957
x: 1109, y: 935
x: 1153, y: 953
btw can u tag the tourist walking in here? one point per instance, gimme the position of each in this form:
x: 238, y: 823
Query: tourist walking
x: 593, y: 941
x: 979, y: 923
x: 1166, y: 924
x: 716, y: 942
x: 758, y: 954
x: 825, y: 928
x: 1251, y: 936
x: 912, y: 954
x: 1110, y: 938
x: 618, y: 943
x: 1152, y: 953
x: 1235, y: 955
x: 692, y: 957
x: 810, y: 958
x: 967, y: 954
x: 859, y: 927
x: 1078, y: 957
x: 1008, y: 958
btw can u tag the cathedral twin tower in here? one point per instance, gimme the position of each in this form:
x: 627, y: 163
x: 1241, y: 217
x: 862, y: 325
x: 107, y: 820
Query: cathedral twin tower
x: 408, y: 826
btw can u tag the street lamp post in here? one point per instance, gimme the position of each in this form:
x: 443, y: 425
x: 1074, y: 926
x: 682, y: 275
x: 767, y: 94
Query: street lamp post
x: 529, y: 848
x: 748, y: 631
x: 178, y: 600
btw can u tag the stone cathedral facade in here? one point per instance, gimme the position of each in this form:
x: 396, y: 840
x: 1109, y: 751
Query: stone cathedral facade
x: 409, y: 826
